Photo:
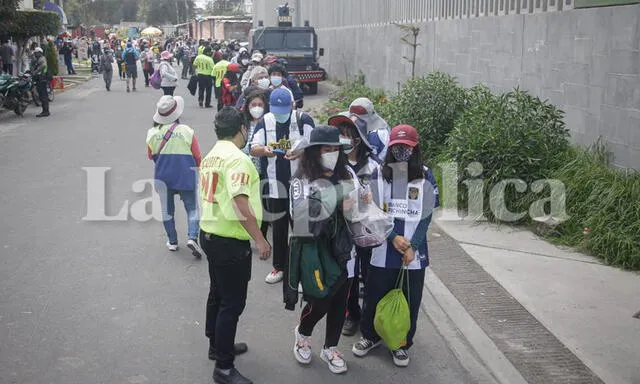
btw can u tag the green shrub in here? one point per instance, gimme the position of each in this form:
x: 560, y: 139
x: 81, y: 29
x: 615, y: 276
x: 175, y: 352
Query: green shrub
x: 513, y: 136
x: 431, y: 104
x: 340, y: 100
x: 51, y: 53
x: 604, y: 200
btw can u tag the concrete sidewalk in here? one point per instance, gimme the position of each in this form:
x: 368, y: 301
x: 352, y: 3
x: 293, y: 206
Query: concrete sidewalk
x: 587, y: 306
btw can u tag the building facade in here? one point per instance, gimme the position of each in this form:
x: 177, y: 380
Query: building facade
x: 584, y: 60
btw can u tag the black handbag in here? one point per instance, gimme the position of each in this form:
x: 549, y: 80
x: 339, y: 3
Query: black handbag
x: 193, y: 85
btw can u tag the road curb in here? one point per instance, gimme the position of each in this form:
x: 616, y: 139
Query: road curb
x: 476, y: 352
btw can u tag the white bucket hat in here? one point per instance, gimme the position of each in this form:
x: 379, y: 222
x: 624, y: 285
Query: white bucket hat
x: 168, y: 109
x: 363, y: 107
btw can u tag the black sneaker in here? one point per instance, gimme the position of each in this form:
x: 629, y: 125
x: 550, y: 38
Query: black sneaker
x: 400, y: 357
x: 364, y: 346
x: 200, y: 104
x: 234, y: 377
x: 43, y: 114
x: 350, y: 327
x: 238, y: 349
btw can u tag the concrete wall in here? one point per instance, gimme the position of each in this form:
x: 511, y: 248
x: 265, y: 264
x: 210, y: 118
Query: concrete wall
x: 585, y: 61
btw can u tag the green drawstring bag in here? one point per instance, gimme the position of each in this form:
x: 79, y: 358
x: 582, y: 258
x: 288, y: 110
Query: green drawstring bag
x: 392, y: 320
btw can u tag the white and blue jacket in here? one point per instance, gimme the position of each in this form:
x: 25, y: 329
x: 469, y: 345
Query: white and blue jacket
x: 411, y: 204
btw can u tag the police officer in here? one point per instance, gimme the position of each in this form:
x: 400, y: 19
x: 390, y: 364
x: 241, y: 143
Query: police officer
x: 41, y: 78
x: 231, y: 216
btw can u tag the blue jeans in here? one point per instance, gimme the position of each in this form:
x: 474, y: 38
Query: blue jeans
x: 169, y: 208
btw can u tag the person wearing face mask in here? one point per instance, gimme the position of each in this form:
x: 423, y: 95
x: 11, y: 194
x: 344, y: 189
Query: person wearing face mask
x: 256, y: 59
x: 274, y: 136
x: 280, y: 78
x: 259, y: 81
x: 254, y: 108
x: 321, y: 193
x: 364, y: 164
x: 231, y: 216
x: 406, y: 189
x: 378, y: 128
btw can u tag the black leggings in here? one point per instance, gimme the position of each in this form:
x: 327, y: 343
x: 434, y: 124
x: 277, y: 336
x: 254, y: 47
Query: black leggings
x: 334, y: 307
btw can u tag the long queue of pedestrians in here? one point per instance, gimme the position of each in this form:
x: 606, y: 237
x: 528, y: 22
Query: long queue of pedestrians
x: 324, y: 191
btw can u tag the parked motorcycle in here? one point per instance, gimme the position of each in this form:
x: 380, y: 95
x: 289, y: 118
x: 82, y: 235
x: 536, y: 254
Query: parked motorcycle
x: 15, y: 92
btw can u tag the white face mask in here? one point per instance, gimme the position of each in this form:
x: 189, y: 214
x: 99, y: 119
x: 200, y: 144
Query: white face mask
x: 264, y: 83
x: 256, y: 112
x: 330, y: 159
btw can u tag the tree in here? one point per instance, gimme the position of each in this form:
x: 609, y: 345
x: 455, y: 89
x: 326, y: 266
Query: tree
x: 410, y: 39
x: 224, y: 7
x: 8, y: 7
x: 51, y: 53
x: 169, y: 11
x: 27, y: 24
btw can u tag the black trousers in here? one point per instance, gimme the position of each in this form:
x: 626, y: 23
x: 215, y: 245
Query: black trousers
x: 147, y: 75
x: 218, y: 92
x: 204, y: 89
x: 168, y: 90
x: 229, y: 273
x: 8, y: 68
x: 379, y: 282
x: 363, y: 258
x: 333, y: 307
x: 280, y: 241
x: 41, y: 87
x: 120, y: 71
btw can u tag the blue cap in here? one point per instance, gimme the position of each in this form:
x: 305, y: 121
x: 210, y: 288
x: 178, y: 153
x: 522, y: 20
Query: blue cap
x: 280, y: 101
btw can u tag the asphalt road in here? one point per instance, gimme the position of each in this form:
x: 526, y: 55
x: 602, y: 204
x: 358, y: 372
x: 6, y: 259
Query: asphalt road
x: 84, y: 302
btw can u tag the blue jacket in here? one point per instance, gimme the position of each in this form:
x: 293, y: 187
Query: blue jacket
x: 129, y: 61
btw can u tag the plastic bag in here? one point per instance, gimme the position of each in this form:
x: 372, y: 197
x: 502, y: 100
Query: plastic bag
x: 369, y: 225
x: 392, y: 320
x: 156, y: 80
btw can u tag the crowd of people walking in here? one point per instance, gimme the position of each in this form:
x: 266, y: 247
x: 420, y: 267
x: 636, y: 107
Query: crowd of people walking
x: 295, y: 188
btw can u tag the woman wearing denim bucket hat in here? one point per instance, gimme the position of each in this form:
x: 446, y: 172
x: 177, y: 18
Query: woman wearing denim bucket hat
x: 406, y: 189
x: 321, y: 194
x: 174, y: 149
x: 364, y: 163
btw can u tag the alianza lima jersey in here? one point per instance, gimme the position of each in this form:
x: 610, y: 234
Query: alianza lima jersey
x: 411, y: 204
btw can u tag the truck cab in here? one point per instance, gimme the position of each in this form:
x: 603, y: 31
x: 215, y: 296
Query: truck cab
x: 297, y: 45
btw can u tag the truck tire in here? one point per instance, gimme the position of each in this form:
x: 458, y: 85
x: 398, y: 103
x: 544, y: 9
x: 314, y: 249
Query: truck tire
x: 313, y: 88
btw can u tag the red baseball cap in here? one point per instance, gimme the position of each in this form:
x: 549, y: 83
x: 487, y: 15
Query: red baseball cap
x: 404, y: 134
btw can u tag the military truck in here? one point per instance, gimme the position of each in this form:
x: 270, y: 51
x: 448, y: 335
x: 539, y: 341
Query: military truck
x: 297, y: 45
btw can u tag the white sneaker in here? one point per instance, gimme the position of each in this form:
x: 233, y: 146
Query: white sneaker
x: 172, y: 247
x: 400, y: 357
x: 195, y: 248
x: 334, y: 360
x: 302, y: 348
x: 274, y: 277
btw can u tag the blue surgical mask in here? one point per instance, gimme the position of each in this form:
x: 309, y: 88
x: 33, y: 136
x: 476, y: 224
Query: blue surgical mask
x: 282, y: 118
x: 276, y: 81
